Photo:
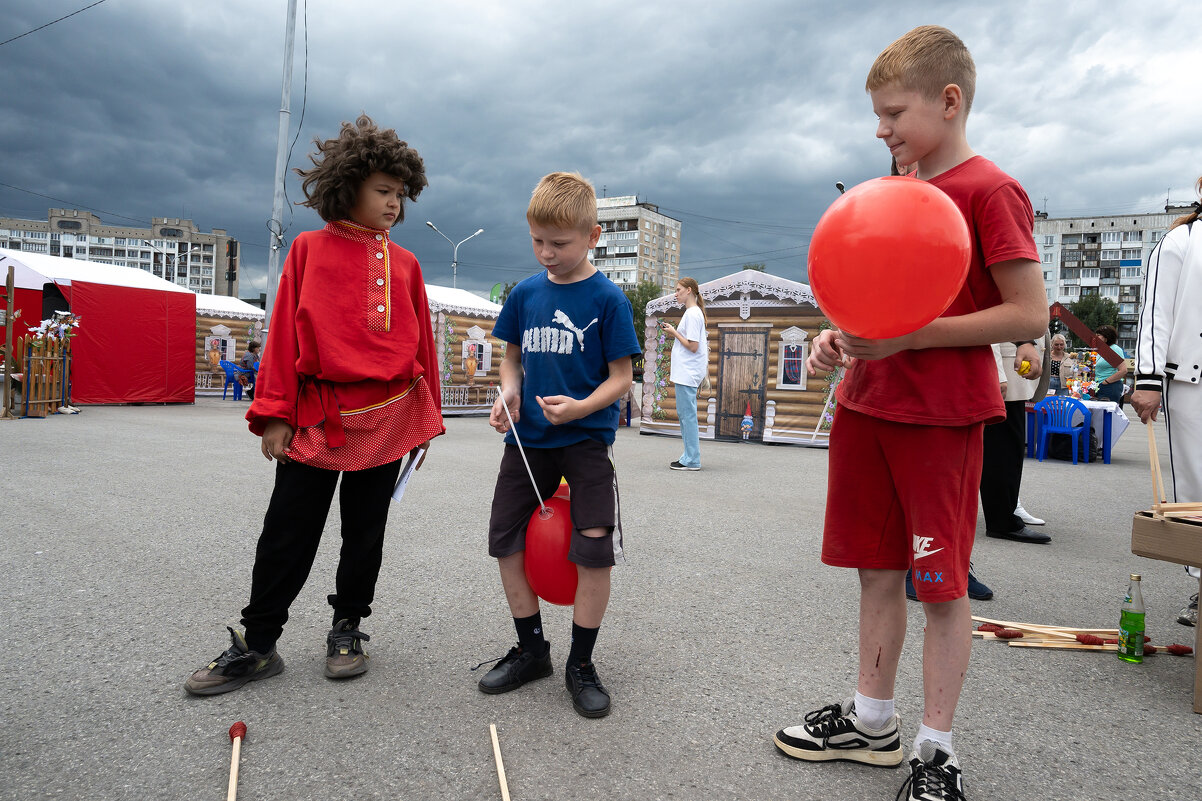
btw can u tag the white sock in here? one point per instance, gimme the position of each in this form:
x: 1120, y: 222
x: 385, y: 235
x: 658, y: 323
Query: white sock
x: 925, y: 732
x: 873, y: 712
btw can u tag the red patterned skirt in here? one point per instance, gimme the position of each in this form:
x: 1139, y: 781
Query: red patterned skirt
x: 370, y: 436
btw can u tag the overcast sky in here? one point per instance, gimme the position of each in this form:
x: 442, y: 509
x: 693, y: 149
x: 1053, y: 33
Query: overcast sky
x: 736, y: 118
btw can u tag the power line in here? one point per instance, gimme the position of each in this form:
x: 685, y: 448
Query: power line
x: 75, y: 205
x: 48, y: 24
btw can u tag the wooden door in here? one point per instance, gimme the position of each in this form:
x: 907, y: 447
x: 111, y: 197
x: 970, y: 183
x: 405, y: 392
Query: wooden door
x: 742, y: 371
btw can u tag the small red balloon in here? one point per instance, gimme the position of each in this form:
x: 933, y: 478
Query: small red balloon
x: 548, y: 538
x: 888, y: 257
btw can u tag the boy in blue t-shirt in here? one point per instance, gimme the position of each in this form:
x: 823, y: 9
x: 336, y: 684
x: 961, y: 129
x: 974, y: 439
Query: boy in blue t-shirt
x: 569, y: 338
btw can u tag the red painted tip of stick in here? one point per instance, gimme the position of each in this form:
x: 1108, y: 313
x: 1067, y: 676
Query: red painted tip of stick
x: 237, y: 733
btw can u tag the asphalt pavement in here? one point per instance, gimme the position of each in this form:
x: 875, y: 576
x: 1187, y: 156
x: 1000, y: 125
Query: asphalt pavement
x: 128, y: 538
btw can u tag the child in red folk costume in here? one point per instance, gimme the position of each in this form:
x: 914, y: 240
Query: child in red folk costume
x: 348, y: 386
x: 569, y: 343
x: 905, y: 451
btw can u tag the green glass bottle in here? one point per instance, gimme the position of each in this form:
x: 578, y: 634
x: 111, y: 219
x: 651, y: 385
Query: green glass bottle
x: 1131, y: 624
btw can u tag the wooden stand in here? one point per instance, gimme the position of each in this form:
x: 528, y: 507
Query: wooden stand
x: 1171, y: 532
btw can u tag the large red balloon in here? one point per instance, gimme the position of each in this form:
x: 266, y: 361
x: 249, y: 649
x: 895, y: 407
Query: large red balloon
x: 551, y: 576
x: 888, y: 257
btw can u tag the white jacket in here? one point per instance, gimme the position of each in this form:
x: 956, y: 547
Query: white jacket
x: 1018, y: 388
x: 1169, y: 342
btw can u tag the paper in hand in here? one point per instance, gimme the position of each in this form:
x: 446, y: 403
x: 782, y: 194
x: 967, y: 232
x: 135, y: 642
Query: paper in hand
x: 415, y: 459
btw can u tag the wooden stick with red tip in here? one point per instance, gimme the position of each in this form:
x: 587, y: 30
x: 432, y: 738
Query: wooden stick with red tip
x: 237, y: 732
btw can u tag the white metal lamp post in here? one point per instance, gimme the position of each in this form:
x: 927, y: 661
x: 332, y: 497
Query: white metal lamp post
x: 178, y: 255
x: 454, y: 251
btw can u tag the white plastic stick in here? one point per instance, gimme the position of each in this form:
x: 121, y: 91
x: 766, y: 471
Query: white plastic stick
x: 542, y: 507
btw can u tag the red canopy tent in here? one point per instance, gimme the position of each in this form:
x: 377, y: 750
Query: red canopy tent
x: 137, y: 337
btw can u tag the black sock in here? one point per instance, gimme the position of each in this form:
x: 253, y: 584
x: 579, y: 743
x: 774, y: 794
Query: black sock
x: 530, y: 632
x: 583, y: 641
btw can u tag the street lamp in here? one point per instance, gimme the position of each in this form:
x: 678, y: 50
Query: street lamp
x: 178, y: 256
x: 455, y: 249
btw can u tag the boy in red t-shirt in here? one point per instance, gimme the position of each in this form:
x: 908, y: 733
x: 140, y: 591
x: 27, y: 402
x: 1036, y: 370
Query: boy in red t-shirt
x: 905, y: 453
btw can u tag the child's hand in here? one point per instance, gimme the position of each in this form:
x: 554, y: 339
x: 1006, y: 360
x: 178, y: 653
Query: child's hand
x: 425, y: 449
x: 668, y: 328
x: 824, y: 353
x: 1028, y: 353
x: 497, y: 417
x: 277, y: 436
x: 560, y: 409
x: 854, y: 347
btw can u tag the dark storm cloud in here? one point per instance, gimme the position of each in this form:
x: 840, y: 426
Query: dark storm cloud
x: 736, y: 118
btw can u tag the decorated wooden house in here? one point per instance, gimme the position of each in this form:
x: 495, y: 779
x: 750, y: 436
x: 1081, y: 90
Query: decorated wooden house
x: 470, y: 356
x: 224, y: 327
x: 759, y: 329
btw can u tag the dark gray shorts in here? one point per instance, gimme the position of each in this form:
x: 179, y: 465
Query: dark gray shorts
x: 594, y: 499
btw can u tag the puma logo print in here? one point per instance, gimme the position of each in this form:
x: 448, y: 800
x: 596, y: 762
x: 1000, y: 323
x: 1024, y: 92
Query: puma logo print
x: 566, y: 322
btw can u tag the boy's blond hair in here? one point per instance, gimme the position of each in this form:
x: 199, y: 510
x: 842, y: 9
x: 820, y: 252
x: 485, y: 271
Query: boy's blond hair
x: 925, y: 60
x: 563, y: 200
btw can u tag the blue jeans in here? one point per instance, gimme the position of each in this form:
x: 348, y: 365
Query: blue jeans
x: 1111, y: 392
x: 686, y: 413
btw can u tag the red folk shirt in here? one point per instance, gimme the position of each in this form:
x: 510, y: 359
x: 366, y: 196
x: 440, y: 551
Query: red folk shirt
x: 954, y: 386
x: 350, y: 333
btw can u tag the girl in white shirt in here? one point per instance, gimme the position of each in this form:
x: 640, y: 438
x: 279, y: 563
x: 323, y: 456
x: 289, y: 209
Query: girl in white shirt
x: 690, y: 365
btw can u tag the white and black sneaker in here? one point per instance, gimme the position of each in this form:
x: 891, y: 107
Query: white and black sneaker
x: 934, y: 776
x: 1189, y: 615
x: 835, y: 732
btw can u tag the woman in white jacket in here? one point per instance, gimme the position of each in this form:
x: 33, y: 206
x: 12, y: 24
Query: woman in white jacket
x: 1168, y: 357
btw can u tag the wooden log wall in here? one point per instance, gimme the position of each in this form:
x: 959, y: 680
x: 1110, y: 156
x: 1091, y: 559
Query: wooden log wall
x: 238, y: 332
x: 461, y: 323
x: 795, y: 409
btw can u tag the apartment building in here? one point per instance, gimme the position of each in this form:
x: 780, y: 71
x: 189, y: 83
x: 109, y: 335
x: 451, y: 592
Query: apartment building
x: 171, y: 248
x: 1101, y: 256
x: 638, y: 243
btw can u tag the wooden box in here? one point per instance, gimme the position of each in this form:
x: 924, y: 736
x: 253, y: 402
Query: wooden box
x: 1177, y: 540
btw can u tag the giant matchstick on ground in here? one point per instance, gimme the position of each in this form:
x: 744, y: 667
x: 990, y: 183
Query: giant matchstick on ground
x: 237, y: 732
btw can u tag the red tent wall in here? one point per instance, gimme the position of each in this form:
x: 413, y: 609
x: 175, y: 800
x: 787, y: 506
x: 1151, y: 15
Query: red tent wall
x: 133, y: 345
x: 29, y: 303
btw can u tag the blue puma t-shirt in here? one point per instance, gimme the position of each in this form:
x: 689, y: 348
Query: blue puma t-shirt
x: 569, y: 333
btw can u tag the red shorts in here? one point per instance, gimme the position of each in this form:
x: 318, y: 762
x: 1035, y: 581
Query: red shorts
x: 901, y: 495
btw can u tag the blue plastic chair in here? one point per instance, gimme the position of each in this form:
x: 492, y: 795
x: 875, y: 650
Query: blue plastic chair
x: 1055, y: 415
x: 231, y: 377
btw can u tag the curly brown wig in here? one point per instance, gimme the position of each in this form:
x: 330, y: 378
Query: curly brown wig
x: 340, y: 166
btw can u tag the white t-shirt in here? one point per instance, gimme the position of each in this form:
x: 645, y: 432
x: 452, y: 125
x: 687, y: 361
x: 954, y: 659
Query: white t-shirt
x: 689, y: 368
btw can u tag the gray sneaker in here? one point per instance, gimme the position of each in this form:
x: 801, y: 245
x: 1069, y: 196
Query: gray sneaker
x: 345, y: 656
x: 237, y: 666
x: 835, y: 732
x: 1189, y: 615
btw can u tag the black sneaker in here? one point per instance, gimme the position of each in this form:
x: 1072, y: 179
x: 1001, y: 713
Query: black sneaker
x: 232, y: 669
x: 589, y: 696
x: 1189, y: 615
x: 835, y: 732
x: 934, y: 776
x: 345, y: 656
x: 517, y: 668
x: 679, y: 466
